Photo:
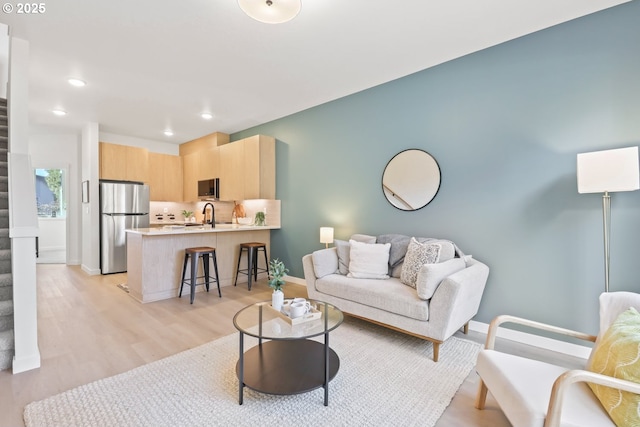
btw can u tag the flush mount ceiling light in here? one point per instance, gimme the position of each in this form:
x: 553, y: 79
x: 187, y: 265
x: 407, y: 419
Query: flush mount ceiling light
x: 76, y: 82
x: 271, y: 11
x: 206, y: 116
x: 168, y: 132
x: 59, y: 112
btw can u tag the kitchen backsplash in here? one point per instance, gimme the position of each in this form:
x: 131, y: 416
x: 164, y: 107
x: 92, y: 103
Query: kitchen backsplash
x: 171, y: 212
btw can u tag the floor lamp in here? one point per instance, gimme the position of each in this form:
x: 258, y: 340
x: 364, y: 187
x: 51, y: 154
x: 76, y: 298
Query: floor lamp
x: 606, y: 172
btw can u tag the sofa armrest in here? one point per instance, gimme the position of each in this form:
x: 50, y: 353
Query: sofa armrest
x: 457, y: 299
x: 309, y: 274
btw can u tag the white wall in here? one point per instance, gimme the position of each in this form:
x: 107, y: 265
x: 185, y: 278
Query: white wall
x: 90, y: 211
x: 23, y: 224
x: 60, y: 151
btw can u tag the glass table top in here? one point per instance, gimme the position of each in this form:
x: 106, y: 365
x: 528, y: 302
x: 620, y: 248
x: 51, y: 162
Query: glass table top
x: 260, y: 320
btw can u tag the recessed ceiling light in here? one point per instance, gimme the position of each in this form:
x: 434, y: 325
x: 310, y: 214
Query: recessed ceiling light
x: 168, y: 132
x: 206, y: 116
x: 76, y: 82
x: 59, y: 112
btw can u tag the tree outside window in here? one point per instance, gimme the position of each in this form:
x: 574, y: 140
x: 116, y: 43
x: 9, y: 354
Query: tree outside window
x: 50, y: 199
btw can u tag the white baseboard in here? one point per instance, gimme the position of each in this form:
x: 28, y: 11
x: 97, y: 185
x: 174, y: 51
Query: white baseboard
x: 509, y: 334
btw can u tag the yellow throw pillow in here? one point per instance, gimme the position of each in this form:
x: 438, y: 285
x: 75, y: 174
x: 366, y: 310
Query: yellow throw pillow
x: 617, y: 355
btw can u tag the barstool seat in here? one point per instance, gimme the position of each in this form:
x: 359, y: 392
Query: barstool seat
x: 195, y: 254
x: 252, y: 269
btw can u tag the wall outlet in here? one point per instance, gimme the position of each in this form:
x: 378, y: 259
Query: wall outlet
x: 165, y: 210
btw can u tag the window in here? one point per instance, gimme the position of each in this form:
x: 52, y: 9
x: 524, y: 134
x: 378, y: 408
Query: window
x: 50, y: 193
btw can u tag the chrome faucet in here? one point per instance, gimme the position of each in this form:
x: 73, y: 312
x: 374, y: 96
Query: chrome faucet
x: 213, y: 214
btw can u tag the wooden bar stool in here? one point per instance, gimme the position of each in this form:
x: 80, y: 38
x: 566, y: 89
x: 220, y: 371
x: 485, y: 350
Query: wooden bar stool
x: 252, y: 249
x: 195, y: 254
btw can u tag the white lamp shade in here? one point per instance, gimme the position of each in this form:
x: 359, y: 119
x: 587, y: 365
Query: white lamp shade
x: 271, y: 12
x: 609, y: 170
x: 326, y: 234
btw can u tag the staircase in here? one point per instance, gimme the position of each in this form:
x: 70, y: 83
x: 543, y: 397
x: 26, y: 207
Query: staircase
x: 6, y: 289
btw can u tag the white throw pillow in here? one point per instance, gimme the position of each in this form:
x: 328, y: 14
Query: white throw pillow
x: 431, y: 275
x: 369, y: 260
x: 418, y: 254
x: 325, y: 261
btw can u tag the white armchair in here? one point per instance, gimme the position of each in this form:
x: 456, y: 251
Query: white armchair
x: 536, y: 394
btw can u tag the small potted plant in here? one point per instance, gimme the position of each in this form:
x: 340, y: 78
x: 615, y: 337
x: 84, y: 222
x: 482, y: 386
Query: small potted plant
x: 260, y: 219
x: 277, y: 270
x: 187, y: 214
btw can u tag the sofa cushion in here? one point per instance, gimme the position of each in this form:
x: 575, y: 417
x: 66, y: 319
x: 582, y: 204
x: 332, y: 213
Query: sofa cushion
x: 389, y: 295
x: 400, y: 244
x: 368, y: 260
x: 325, y: 261
x: 617, y: 355
x: 523, y: 386
x: 417, y: 255
x: 344, y: 248
x: 363, y: 238
x: 430, y: 276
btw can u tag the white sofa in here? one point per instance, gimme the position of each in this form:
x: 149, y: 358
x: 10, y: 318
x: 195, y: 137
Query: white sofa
x: 390, y: 302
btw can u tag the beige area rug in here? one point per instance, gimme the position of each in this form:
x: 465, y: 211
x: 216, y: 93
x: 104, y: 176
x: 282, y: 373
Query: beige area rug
x: 385, y: 378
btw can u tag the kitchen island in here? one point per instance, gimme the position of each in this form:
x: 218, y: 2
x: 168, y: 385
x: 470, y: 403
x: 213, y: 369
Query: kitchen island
x: 155, y: 256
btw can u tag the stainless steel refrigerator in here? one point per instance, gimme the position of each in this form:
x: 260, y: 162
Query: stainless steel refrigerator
x: 123, y: 205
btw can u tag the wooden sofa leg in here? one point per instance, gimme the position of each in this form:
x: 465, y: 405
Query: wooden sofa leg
x: 481, y: 398
x: 436, y: 351
x: 465, y: 328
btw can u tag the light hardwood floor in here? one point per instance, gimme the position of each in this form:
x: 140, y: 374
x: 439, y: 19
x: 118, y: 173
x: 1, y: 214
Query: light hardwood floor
x: 90, y: 329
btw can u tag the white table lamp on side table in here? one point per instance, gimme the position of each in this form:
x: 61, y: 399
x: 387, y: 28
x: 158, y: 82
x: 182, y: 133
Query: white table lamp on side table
x: 326, y: 235
x: 606, y: 172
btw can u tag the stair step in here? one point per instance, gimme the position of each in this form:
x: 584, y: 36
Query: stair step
x: 6, y: 360
x: 6, y: 308
x: 6, y: 279
x: 6, y: 340
x: 6, y: 293
x: 6, y: 323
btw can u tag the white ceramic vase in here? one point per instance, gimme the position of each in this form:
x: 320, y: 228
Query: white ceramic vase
x: 277, y: 299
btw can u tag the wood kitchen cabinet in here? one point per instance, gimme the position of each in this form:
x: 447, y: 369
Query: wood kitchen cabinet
x: 123, y: 162
x: 200, y: 161
x: 165, y: 177
x: 232, y: 171
x: 248, y: 169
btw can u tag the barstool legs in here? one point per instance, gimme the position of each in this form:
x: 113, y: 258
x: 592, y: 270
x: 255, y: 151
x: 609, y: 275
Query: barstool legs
x: 195, y: 254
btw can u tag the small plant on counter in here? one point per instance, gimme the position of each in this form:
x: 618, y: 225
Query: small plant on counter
x: 187, y: 214
x: 277, y: 270
x: 260, y: 220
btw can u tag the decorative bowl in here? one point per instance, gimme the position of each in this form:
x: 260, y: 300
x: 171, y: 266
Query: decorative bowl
x: 245, y: 221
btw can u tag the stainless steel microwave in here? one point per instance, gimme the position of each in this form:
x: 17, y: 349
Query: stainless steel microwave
x: 209, y: 189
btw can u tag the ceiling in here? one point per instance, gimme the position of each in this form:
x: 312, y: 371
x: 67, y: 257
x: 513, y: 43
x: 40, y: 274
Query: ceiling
x: 152, y: 65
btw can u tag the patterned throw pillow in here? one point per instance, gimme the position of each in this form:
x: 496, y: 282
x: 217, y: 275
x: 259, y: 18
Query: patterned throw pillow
x: 418, y: 254
x: 617, y: 355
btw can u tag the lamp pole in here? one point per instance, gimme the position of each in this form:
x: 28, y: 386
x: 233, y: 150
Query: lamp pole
x: 606, y: 217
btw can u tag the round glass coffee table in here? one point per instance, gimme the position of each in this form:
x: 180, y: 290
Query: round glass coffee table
x: 288, y: 362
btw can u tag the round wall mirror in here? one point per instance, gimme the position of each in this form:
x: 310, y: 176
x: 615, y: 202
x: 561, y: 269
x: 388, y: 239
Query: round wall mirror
x: 411, y: 179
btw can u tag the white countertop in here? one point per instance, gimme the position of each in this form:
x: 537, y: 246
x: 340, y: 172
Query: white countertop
x: 181, y: 229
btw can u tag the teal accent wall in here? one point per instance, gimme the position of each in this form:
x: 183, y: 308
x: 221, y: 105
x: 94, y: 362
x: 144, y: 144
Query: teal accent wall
x: 505, y: 125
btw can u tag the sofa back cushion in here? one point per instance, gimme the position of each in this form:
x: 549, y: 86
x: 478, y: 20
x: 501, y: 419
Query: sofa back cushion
x: 325, y: 262
x: 431, y: 275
